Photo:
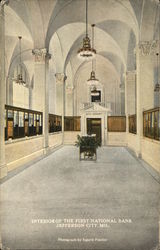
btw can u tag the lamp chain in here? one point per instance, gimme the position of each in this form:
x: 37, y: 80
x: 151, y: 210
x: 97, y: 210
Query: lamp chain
x: 86, y: 18
x: 20, y: 54
x: 93, y: 60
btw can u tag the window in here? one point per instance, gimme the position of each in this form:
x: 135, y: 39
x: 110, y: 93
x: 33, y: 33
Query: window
x: 55, y: 123
x: 132, y: 124
x: 16, y: 122
x: 116, y: 123
x: 72, y: 123
x: 22, y: 122
x: 151, y: 123
x: 96, y: 98
x: 10, y: 124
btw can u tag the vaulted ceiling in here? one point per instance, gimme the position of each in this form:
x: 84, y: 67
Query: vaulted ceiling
x: 59, y: 25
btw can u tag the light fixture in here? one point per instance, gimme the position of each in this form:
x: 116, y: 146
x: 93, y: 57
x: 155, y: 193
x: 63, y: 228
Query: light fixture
x: 94, y: 91
x: 92, y: 80
x: 19, y: 80
x: 157, y: 86
x: 86, y: 52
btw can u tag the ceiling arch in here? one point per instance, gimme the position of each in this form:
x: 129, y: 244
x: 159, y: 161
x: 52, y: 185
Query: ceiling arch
x: 36, y: 15
x: 104, y: 43
x: 102, y: 65
x: 98, y: 11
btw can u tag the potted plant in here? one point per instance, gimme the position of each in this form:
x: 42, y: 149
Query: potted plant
x: 87, y: 147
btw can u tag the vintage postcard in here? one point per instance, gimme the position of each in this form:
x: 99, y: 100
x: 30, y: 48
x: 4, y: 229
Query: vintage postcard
x: 79, y: 124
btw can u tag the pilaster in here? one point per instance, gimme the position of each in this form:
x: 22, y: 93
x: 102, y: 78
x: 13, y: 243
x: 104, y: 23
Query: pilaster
x: 40, y: 91
x: 60, y: 79
x: 145, y: 59
x: 60, y: 96
x: 3, y: 167
x: 69, y: 100
x: 126, y: 100
x: 131, y: 91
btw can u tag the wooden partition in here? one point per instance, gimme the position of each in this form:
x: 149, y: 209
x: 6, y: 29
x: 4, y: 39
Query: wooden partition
x: 55, y: 123
x: 72, y: 123
x: 21, y: 122
x: 132, y: 119
x: 151, y: 123
x: 116, y: 123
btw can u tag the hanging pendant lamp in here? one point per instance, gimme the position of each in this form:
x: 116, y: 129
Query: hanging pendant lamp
x: 94, y: 91
x: 86, y: 52
x: 93, y: 80
x: 157, y: 86
x: 19, y: 79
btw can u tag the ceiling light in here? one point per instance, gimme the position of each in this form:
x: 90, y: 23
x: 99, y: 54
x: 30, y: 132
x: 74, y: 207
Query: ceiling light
x: 86, y: 52
x: 93, y: 80
x: 19, y: 79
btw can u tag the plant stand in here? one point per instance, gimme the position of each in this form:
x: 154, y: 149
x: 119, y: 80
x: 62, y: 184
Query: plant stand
x: 87, y: 153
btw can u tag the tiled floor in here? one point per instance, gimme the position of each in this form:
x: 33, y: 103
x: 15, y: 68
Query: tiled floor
x: 115, y: 189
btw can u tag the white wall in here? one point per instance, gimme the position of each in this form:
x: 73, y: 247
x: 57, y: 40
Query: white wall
x: 71, y: 137
x: 55, y: 139
x: 117, y: 139
x: 151, y: 152
x: 22, y: 151
x: 20, y: 96
x: 150, y: 149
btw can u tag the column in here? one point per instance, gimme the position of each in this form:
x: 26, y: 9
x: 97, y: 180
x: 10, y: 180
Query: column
x: 10, y: 91
x: 7, y: 89
x: 30, y: 97
x: 3, y: 167
x: 52, y: 92
x: 69, y: 101
x: 122, y: 98
x: 145, y: 59
x: 60, y: 96
x: 126, y: 101
x: 131, y: 86
x: 60, y: 78
x: 40, y: 93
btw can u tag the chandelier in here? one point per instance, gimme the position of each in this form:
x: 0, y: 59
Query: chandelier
x: 19, y: 79
x: 92, y: 80
x: 86, y: 52
x: 94, y: 91
x: 157, y: 86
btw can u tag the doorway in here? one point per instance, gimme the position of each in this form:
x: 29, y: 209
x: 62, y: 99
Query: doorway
x: 94, y: 127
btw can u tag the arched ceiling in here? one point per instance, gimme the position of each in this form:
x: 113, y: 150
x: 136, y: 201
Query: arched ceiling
x: 103, y: 68
x: 59, y: 25
x: 99, y: 11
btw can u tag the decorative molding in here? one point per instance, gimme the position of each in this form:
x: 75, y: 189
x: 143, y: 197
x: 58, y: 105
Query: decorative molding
x: 60, y: 78
x: 41, y: 55
x: 148, y: 47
